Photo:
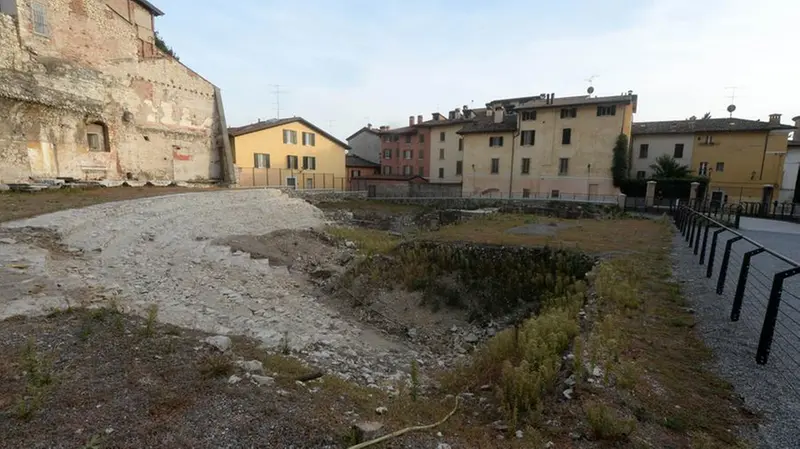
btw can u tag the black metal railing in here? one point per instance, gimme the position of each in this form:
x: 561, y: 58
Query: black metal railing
x: 773, y: 210
x: 761, y: 284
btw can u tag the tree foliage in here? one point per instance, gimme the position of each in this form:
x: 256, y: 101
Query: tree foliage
x: 667, y: 167
x: 166, y: 49
x: 619, y: 162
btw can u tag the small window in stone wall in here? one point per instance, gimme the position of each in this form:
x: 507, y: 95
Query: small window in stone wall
x: 39, y: 13
x: 97, y: 137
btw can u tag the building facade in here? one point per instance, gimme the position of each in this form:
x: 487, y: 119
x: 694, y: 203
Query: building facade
x: 446, y: 164
x: 546, y: 145
x: 743, y: 159
x: 358, y: 167
x: 647, y: 148
x: 288, y: 152
x: 405, y: 151
x: 366, y: 144
x: 85, y: 93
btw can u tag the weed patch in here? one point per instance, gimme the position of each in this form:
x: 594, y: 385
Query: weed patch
x: 216, y: 365
x: 606, y: 424
x: 37, y: 369
x: 368, y: 241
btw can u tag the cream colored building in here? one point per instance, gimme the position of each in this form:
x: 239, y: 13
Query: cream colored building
x: 546, y: 146
x: 446, y: 159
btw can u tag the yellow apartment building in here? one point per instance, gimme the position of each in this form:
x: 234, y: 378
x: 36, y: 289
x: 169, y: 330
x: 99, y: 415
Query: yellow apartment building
x: 546, y: 146
x: 743, y: 159
x: 288, y: 152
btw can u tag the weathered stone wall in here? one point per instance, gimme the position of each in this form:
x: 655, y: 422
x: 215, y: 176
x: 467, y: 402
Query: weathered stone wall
x: 564, y: 209
x: 161, y: 118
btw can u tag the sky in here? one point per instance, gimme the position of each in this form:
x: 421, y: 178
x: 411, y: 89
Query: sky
x: 343, y: 64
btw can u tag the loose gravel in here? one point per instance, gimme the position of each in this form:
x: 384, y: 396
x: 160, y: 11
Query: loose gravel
x: 161, y: 251
x: 765, y: 389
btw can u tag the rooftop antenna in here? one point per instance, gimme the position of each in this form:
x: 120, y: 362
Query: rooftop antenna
x: 590, y: 90
x: 732, y: 106
x: 277, y: 91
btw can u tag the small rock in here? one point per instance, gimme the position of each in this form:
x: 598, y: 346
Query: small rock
x: 8, y: 241
x: 234, y: 379
x: 412, y: 333
x: 499, y: 426
x: 442, y: 446
x: 251, y: 366
x: 367, y: 430
x: 486, y: 387
x: 349, y: 244
x: 597, y: 371
x: 570, y: 380
x: 568, y: 393
x: 570, y: 356
x: 381, y: 410
x: 575, y: 435
x: 519, y: 434
x: 221, y: 342
x: 549, y: 445
x: 471, y: 338
x: 687, y: 310
x: 262, y: 380
x: 454, y: 329
x: 439, y: 434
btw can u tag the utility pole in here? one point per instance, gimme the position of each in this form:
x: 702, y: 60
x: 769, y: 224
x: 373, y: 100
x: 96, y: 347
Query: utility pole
x: 276, y: 90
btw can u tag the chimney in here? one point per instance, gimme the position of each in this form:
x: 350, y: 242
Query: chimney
x: 498, y: 115
x: 437, y: 116
x: 369, y: 125
x: 411, y: 120
x: 451, y: 115
x: 552, y: 97
x: 419, y: 119
x: 774, y: 119
x: 797, y: 125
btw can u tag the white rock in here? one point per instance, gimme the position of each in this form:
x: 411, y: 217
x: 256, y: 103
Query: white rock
x: 262, y: 380
x: 381, y: 410
x: 442, y: 446
x: 251, y: 366
x: 570, y: 380
x: 568, y: 393
x: 8, y: 241
x: 519, y: 434
x: 234, y: 379
x: 454, y: 329
x: 368, y: 429
x: 549, y: 445
x: 471, y: 338
x: 412, y: 332
x: 439, y: 434
x: 220, y: 342
x: 597, y: 371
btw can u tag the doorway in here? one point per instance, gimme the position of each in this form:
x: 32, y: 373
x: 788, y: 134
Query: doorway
x: 309, y: 183
x: 766, y: 199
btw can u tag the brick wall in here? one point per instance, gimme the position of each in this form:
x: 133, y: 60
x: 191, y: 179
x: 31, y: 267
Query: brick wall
x: 160, y: 116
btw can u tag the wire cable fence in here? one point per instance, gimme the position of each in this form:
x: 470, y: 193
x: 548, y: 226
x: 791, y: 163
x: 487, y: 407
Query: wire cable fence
x: 760, y: 286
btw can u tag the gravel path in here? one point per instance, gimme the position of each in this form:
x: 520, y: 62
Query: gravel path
x: 159, y: 251
x: 771, y: 389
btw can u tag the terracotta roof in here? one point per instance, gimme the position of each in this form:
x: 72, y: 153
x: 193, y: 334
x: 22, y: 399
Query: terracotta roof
x: 150, y: 7
x: 355, y: 161
x: 486, y: 124
x: 403, y: 130
x: 267, y: 124
x: 364, y: 129
x: 583, y: 100
x: 708, y: 125
x: 445, y: 122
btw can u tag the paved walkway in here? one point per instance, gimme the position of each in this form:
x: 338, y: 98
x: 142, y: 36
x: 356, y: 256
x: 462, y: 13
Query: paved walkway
x: 762, y: 224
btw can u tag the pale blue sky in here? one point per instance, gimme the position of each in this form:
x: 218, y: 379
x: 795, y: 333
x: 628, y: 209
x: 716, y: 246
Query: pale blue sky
x: 344, y: 63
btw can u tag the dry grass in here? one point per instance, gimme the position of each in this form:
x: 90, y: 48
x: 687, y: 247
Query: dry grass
x: 590, y: 235
x: 372, y: 206
x: 368, y: 241
x: 15, y: 206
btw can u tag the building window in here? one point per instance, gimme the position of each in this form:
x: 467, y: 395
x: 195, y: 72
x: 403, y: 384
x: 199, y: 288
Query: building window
x: 526, y: 165
x: 387, y: 154
x: 441, y: 172
x: 421, y: 171
x: 407, y: 169
x: 528, y: 138
x: 495, y: 166
x: 309, y: 163
x: 643, y: 149
x: 40, y: 25
x: 563, y: 166
x: 528, y: 115
x: 97, y: 137
x: 441, y: 153
x: 641, y: 174
x: 569, y: 112
x: 496, y: 141
x: 707, y: 140
x: 291, y: 162
x: 441, y: 136
x: 422, y: 138
x: 396, y: 139
x: 554, y: 194
x: 289, y: 137
x: 408, y: 154
x: 526, y: 193
x: 309, y: 139
x: 720, y: 167
x: 702, y: 169
x: 408, y: 139
x: 678, y: 153
x: 387, y: 138
x: 421, y: 154
x: 355, y: 173
x: 606, y: 110
x: 386, y: 169
x: 261, y: 160
x: 461, y: 144
x: 459, y: 167
x: 566, y: 136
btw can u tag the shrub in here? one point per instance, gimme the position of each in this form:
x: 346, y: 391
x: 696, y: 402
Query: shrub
x: 606, y: 424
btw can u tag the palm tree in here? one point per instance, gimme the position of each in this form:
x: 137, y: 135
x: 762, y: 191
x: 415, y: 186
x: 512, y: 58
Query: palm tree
x: 666, y: 167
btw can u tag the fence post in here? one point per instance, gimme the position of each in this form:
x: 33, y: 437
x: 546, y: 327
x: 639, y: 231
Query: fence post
x: 723, y: 269
x: 738, y: 216
x: 697, y: 236
x: 771, y: 317
x: 742, y: 282
x: 710, y: 269
x: 690, y: 234
x: 709, y: 224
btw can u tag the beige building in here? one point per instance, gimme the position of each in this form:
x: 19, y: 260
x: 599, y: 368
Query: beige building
x: 447, y: 145
x: 546, y: 146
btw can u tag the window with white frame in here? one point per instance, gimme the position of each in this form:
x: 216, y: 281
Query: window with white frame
x: 309, y: 139
x: 261, y: 160
x: 309, y: 163
x: 290, y: 136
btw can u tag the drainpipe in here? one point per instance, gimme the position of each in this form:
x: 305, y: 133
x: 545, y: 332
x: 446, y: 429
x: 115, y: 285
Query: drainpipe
x: 764, y: 157
x: 513, y: 147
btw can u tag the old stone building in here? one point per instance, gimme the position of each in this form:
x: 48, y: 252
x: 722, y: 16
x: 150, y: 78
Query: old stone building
x: 85, y: 93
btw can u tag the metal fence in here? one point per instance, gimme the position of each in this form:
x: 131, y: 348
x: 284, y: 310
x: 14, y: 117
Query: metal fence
x: 760, y: 285
x: 532, y: 196
x: 284, y: 177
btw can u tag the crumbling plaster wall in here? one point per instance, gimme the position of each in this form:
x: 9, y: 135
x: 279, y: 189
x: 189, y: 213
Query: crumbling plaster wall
x: 160, y: 116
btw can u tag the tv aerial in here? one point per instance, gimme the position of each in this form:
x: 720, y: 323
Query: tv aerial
x: 590, y: 90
